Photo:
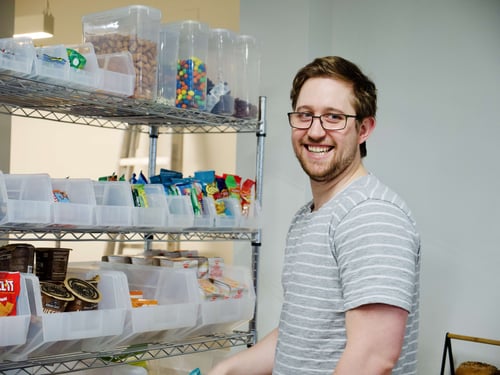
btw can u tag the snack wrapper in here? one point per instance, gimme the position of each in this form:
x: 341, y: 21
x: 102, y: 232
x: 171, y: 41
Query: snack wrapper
x: 10, y: 287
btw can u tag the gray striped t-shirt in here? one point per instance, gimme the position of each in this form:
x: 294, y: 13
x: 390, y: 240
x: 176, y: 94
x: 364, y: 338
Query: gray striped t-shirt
x: 361, y: 247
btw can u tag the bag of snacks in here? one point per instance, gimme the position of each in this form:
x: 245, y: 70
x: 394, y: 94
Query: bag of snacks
x: 10, y: 287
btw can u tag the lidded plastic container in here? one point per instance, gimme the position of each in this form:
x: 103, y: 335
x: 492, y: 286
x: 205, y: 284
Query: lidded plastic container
x: 220, y: 71
x: 167, y: 63
x: 191, y: 65
x: 134, y: 29
x: 247, y: 84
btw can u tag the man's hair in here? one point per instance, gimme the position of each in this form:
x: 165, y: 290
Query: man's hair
x: 364, y: 99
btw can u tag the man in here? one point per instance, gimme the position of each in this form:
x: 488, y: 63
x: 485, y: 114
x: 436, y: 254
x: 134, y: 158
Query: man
x: 352, y: 258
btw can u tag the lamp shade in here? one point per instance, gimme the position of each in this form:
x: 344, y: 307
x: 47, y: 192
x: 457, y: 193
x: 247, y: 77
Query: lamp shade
x: 35, y: 26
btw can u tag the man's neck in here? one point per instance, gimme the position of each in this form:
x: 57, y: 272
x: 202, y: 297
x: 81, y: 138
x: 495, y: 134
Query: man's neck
x: 324, y: 191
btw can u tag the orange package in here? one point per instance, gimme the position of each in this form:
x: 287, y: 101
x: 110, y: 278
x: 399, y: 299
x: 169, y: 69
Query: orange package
x: 10, y: 286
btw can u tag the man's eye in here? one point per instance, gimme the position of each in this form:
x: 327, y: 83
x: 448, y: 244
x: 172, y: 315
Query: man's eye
x: 333, y: 117
x: 304, y: 116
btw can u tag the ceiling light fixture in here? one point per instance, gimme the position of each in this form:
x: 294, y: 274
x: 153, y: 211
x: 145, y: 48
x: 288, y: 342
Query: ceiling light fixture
x: 35, y: 26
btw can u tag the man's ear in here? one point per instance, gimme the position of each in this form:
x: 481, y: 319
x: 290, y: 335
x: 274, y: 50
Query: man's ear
x: 365, y: 129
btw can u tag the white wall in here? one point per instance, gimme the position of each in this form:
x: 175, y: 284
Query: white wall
x: 437, y: 67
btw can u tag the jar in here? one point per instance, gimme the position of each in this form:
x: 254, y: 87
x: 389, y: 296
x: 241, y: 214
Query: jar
x: 167, y: 63
x: 247, y: 77
x: 220, y: 71
x: 191, y: 65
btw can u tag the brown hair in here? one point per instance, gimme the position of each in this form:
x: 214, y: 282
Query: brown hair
x: 364, y: 99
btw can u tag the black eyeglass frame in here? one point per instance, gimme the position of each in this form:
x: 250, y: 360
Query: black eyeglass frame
x: 289, y: 114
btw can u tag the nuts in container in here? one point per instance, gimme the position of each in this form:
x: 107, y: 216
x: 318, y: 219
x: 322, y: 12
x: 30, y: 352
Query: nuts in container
x: 134, y: 29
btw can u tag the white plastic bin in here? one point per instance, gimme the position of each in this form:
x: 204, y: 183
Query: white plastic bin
x: 51, y: 63
x: 181, y: 212
x: 65, y: 332
x: 14, y: 329
x: 118, y: 73
x: 178, y: 300
x: 225, y: 315
x: 77, y: 208
x: 156, y: 215
x: 232, y: 214
x: 17, y: 55
x: 25, y: 199
x: 89, y: 77
x: 114, y: 204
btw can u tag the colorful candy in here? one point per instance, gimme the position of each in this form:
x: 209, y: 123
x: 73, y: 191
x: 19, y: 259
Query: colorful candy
x: 191, y: 84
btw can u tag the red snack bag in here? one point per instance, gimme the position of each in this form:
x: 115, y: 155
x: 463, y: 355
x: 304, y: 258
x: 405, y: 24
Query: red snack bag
x: 246, y: 196
x: 10, y: 286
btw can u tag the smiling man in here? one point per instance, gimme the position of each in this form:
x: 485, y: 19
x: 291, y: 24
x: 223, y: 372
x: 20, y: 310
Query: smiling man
x: 352, y: 257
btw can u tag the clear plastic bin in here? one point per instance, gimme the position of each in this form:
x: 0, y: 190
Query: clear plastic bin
x: 156, y: 215
x: 14, y: 329
x: 65, y: 332
x: 246, y: 89
x: 221, y: 71
x: 176, y: 291
x: 223, y: 316
x: 25, y: 199
x: 51, y: 63
x: 181, y: 212
x: 118, y: 73
x: 89, y: 76
x: 17, y: 55
x: 232, y: 214
x: 134, y: 29
x: 114, y: 204
x: 76, y: 205
x: 167, y: 63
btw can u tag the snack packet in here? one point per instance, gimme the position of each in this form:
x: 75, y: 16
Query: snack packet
x: 10, y: 287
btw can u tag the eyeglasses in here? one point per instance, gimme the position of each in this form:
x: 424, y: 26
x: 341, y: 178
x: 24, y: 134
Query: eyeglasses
x: 328, y: 121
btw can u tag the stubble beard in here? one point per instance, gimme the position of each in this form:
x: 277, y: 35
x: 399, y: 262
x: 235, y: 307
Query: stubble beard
x: 333, y: 168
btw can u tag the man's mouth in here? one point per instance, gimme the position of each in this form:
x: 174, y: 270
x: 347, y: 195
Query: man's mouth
x: 319, y: 149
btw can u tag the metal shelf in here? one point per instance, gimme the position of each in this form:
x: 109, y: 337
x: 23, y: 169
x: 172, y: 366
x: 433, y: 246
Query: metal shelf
x: 98, y: 234
x: 60, y: 364
x: 26, y: 97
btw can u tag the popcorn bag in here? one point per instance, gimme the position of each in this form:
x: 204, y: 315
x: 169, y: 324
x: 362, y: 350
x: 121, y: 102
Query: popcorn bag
x: 9, y: 292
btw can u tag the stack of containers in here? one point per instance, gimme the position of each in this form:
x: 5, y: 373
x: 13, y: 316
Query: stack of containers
x: 247, y: 82
x: 134, y: 29
x: 220, y: 72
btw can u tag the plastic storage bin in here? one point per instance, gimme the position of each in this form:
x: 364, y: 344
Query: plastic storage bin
x: 156, y: 214
x: 167, y: 63
x: 220, y: 72
x: 14, y: 329
x: 114, y: 204
x: 117, y: 73
x: 247, y: 62
x: 87, y: 75
x: 65, y: 332
x: 17, y: 55
x: 134, y: 29
x: 191, y: 65
x: 51, y: 63
x: 181, y: 212
x: 231, y: 216
x: 75, y: 202
x: 176, y: 291
x: 25, y: 200
x: 223, y: 316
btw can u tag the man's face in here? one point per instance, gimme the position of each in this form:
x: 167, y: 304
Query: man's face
x: 326, y: 155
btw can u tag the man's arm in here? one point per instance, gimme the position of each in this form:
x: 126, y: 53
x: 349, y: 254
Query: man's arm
x: 257, y: 360
x: 375, y: 335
